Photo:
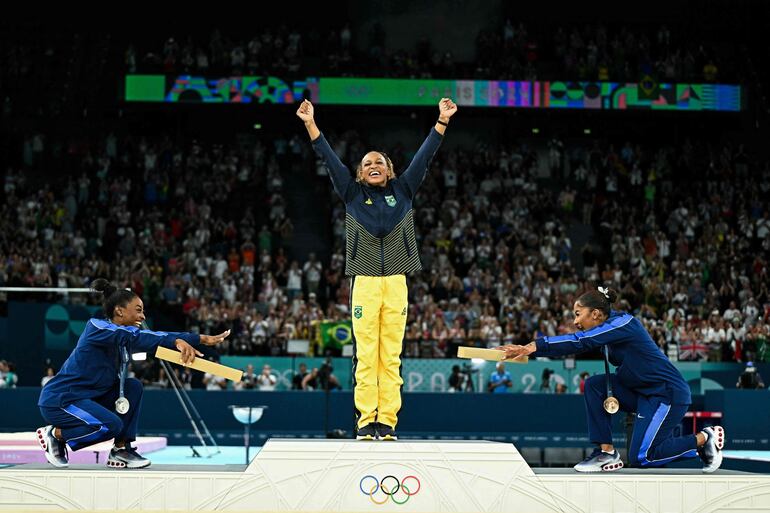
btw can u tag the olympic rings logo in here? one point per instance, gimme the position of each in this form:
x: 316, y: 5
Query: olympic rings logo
x: 393, y: 489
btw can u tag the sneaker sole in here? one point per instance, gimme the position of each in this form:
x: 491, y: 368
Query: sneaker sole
x: 366, y: 438
x: 121, y: 464
x: 719, y: 433
x: 610, y: 467
x: 715, y: 463
x: 48, y: 456
x: 389, y: 438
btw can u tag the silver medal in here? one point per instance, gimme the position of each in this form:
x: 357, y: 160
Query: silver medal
x: 122, y: 405
x: 611, y: 405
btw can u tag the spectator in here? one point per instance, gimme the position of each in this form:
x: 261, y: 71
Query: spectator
x: 583, y: 377
x: 213, y: 382
x: 248, y: 380
x: 312, y: 271
x: 49, y: 373
x: 299, y: 376
x: 500, y: 380
x: 266, y: 381
x: 8, y: 376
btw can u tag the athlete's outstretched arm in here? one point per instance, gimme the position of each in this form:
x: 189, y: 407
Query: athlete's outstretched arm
x: 306, y: 113
x: 338, y: 172
x: 413, y: 176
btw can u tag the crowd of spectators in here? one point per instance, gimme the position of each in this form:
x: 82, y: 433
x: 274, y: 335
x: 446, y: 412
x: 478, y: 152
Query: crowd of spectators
x: 500, y: 266
x: 200, y: 232
x: 508, y: 50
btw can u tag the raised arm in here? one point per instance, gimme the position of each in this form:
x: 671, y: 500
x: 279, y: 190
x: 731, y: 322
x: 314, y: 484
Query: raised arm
x: 338, y: 172
x: 306, y: 113
x: 415, y: 173
x: 446, y: 109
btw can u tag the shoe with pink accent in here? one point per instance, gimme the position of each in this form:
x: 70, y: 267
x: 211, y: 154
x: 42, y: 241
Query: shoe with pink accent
x: 600, y: 461
x: 55, y: 449
x: 711, y: 451
x: 126, y: 457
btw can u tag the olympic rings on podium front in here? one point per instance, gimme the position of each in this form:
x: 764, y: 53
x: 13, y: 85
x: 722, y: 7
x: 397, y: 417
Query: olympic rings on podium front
x: 391, y: 487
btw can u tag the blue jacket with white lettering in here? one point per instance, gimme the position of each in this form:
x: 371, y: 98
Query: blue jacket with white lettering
x: 91, y: 370
x: 641, y: 365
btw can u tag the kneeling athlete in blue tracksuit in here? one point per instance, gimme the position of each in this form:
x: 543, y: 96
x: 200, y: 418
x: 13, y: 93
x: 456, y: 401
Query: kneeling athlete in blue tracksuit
x: 645, y: 383
x: 79, y: 402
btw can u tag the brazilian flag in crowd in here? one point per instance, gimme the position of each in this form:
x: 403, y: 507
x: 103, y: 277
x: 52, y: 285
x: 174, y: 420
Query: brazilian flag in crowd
x: 335, y: 334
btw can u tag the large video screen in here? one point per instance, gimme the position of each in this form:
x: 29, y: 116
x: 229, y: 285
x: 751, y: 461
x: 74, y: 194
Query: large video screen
x: 644, y: 95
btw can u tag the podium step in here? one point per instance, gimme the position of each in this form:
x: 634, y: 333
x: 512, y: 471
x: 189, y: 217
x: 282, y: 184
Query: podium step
x: 348, y: 476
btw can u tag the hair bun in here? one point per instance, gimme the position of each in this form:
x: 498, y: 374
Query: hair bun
x: 611, y: 295
x: 103, y: 286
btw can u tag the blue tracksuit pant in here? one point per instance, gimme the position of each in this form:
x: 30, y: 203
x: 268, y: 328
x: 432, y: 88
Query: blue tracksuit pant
x: 87, y: 422
x: 653, y: 443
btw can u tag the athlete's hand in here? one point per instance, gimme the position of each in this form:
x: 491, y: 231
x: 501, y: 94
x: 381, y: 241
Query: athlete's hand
x: 305, y: 111
x: 212, y: 340
x: 446, y: 109
x: 513, y: 351
x: 188, y: 352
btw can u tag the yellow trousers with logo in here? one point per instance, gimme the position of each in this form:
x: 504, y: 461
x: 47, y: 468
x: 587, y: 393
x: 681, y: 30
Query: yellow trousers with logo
x: 378, y: 309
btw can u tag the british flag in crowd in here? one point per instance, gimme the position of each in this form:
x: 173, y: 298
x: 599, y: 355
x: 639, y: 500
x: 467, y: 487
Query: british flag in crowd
x: 693, y: 350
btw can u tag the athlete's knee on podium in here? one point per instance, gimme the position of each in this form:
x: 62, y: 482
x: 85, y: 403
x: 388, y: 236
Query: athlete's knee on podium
x: 114, y: 426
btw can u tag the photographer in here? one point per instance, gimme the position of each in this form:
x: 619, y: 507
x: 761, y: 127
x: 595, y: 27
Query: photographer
x: 327, y: 380
x: 457, y: 379
x: 545, y: 385
x: 750, y: 378
x: 460, y: 379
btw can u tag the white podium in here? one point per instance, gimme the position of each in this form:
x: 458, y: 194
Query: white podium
x: 357, y: 476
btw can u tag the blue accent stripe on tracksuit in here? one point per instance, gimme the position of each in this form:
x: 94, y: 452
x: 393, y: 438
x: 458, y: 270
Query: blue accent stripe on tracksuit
x: 98, y: 428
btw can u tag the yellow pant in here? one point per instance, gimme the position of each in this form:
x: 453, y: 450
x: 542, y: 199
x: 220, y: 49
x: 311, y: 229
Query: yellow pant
x: 379, y: 305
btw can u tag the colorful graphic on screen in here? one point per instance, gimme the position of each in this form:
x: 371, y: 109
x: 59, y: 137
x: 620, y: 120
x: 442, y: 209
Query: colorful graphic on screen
x: 644, y: 95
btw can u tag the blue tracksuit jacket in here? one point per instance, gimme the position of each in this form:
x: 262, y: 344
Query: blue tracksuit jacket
x: 92, y: 368
x: 641, y: 365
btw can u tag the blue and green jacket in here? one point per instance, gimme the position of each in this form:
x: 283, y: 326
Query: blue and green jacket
x: 379, y: 221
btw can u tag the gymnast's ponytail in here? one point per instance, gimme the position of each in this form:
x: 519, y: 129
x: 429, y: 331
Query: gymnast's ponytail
x: 113, y: 296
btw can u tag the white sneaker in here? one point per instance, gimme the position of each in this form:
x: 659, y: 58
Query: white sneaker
x: 55, y: 449
x: 600, y: 461
x: 711, y: 451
